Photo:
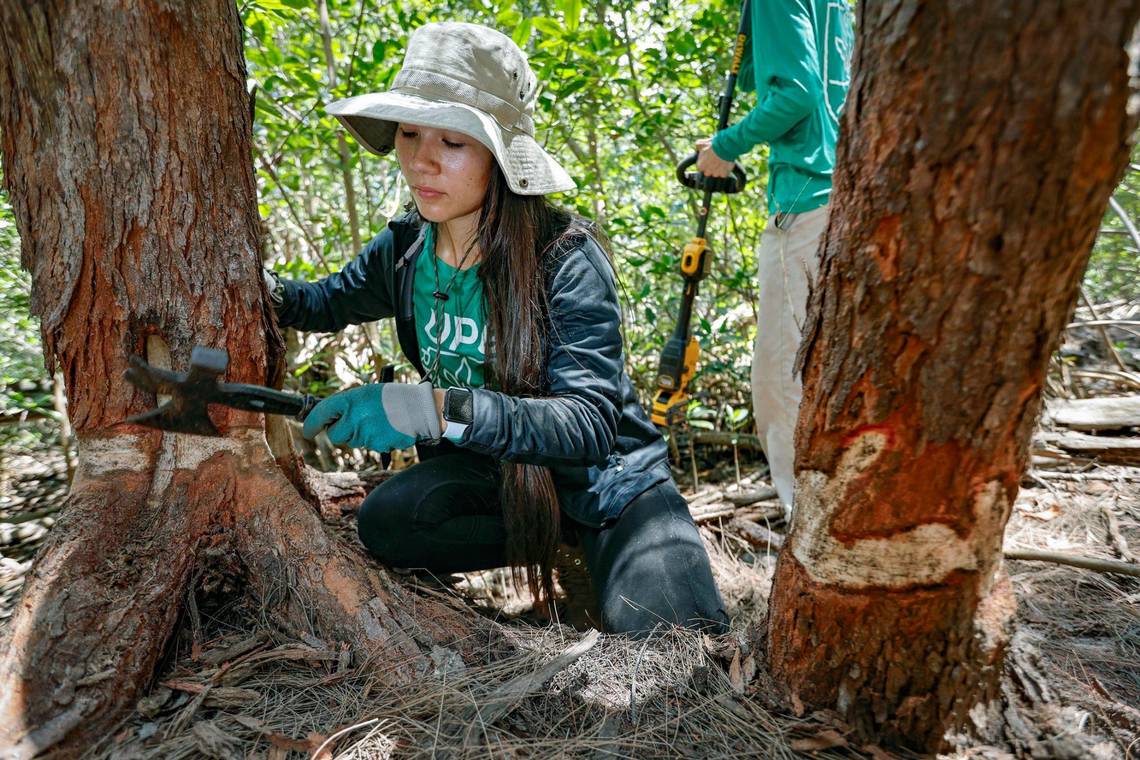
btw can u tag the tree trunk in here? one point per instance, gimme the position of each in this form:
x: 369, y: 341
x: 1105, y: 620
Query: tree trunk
x: 980, y: 146
x: 125, y: 133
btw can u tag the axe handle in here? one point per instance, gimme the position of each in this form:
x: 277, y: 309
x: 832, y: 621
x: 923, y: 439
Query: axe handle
x: 256, y: 398
x: 387, y: 375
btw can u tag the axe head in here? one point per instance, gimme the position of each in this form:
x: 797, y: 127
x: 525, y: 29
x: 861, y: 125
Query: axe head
x: 189, y: 392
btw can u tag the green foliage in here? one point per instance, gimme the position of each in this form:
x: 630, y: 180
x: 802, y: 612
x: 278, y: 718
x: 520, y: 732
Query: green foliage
x: 626, y: 90
x: 21, y: 362
x: 1114, y: 268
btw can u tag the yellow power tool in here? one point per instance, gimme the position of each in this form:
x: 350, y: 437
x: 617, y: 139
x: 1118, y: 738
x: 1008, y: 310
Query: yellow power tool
x: 679, y: 358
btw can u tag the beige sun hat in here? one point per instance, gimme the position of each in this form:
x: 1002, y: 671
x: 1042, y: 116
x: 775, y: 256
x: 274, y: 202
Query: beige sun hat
x: 470, y: 79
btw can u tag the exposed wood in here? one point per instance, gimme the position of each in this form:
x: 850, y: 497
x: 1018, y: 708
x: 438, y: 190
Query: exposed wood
x: 1107, y: 449
x: 1092, y: 414
x: 967, y: 195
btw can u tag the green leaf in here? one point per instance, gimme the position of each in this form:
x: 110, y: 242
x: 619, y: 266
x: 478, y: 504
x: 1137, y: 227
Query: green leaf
x: 507, y: 18
x: 521, y: 34
x: 273, y: 5
x: 548, y: 26
x: 572, y: 14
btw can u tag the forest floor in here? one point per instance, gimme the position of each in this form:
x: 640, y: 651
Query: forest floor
x: 234, y: 686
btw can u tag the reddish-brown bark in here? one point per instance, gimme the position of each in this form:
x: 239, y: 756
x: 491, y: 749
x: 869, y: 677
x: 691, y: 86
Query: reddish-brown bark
x: 125, y: 134
x: 980, y: 144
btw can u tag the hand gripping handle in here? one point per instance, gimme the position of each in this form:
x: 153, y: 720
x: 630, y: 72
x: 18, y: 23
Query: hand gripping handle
x: 698, y: 181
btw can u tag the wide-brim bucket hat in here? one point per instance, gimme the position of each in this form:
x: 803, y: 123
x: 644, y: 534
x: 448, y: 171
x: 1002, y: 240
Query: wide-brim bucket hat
x: 466, y: 78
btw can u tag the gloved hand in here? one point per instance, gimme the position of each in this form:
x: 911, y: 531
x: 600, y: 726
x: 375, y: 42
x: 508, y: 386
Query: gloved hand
x: 274, y: 287
x: 380, y: 416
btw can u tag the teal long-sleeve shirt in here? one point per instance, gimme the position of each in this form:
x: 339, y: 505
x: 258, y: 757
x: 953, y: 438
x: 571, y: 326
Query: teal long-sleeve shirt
x: 799, y: 65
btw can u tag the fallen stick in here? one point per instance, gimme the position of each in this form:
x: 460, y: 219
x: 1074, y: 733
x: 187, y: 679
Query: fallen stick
x: 711, y: 512
x: 724, y: 438
x: 758, y: 535
x: 748, y: 498
x: 704, y: 498
x: 1126, y: 378
x: 1104, y: 323
x: 1108, y: 449
x: 1095, y: 414
x: 1074, y: 560
x: 1121, y: 544
x: 773, y: 512
x: 1082, y: 477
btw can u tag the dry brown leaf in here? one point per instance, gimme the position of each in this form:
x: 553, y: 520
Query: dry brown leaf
x: 1051, y: 512
x: 749, y: 669
x: 825, y: 739
x: 876, y: 752
x: 736, y: 674
x: 315, y: 741
x: 289, y: 744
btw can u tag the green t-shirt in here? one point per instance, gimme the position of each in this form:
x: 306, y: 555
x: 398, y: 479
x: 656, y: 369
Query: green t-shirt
x: 798, y: 63
x: 452, y: 330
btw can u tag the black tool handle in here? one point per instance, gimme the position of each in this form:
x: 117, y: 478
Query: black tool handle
x: 255, y: 398
x: 697, y: 181
x: 387, y: 375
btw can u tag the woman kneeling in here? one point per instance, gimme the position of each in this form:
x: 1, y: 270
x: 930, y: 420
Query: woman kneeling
x: 528, y: 428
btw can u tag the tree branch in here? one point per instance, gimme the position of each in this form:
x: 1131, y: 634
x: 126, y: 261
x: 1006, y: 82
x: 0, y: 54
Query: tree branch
x: 1074, y: 560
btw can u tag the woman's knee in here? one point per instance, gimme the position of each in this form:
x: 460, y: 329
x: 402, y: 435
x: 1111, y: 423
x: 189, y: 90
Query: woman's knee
x: 378, y: 523
x: 655, y: 572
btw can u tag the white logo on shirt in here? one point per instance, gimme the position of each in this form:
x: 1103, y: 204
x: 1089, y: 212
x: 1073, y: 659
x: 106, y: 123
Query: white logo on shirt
x: 457, y: 331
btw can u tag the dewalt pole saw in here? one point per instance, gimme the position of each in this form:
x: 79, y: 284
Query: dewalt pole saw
x: 679, y: 358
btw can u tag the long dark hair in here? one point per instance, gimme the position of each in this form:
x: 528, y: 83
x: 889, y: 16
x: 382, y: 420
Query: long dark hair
x: 519, y: 235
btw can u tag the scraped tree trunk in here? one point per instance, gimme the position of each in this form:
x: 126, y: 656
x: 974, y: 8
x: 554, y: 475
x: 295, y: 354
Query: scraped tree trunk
x: 981, y: 142
x: 125, y: 134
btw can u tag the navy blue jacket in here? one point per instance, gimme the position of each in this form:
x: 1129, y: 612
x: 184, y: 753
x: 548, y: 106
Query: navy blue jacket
x: 590, y: 429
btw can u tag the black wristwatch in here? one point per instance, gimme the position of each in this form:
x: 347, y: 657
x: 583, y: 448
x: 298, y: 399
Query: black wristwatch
x: 458, y: 412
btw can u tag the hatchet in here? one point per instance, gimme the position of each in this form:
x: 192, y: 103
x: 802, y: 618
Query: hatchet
x: 191, y: 392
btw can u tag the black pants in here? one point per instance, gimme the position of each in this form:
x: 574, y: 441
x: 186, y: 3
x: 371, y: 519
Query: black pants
x: 648, y: 570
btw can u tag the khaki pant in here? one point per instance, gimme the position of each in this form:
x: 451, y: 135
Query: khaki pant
x: 788, y: 260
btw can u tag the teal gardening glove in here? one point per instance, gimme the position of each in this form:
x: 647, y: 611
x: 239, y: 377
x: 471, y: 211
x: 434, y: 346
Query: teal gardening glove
x: 380, y: 416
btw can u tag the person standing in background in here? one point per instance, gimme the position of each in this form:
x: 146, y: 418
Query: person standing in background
x: 798, y: 62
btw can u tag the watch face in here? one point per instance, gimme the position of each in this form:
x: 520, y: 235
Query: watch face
x: 458, y: 405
